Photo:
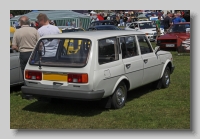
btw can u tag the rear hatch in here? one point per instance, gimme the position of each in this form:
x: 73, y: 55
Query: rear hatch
x: 60, y: 63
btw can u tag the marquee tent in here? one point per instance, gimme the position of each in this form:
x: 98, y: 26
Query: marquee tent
x: 60, y: 16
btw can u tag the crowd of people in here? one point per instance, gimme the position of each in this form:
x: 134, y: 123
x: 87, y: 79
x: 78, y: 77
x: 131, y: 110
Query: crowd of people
x: 122, y: 18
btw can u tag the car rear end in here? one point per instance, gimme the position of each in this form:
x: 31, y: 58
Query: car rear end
x: 61, y: 68
x: 167, y: 44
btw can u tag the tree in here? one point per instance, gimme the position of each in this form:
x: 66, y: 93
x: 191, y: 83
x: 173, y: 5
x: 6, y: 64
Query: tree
x: 19, y: 12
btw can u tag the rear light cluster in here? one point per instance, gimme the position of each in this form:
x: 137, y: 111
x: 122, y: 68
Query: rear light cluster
x: 72, y: 77
x: 78, y: 78
x: 33, y: 75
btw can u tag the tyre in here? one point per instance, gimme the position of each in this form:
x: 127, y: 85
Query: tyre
x: 119, y: 96
x: 165, y: 80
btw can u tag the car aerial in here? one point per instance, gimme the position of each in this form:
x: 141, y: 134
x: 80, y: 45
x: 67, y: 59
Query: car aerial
x: 103, y: 22
x: 148, y: 27
x: 104, y: 27
x: 106, y: 66
x: 176, y: 39
x: 16, y: 77
x: 66, y: 29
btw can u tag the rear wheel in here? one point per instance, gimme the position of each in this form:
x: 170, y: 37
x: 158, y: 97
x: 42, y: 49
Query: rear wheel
x: 119, y: 96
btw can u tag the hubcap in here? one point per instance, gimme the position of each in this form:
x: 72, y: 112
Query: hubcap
x: 166, y: 78
x: 120, y: 95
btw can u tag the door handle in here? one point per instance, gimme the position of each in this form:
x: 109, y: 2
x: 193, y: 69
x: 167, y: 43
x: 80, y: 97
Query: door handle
x: 128, y: 66
x: 145, y: 61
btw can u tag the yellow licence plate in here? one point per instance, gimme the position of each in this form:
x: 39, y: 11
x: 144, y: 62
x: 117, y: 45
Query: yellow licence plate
x: 55, y: 77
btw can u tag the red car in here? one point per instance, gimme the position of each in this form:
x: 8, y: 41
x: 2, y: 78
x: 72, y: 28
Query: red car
x: 176, y: 39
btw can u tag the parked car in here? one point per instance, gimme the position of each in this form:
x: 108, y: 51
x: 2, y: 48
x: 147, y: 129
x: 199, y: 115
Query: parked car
x: 113, y: 19
x: 104, y: 27
x: 148, y: 27
x: 16, y: 77
x: 154, y: 13
x: 133, y: 19
x: 107, y: 65
x: 177, y: 38
x: 66, y: 29
x: 103, y: 22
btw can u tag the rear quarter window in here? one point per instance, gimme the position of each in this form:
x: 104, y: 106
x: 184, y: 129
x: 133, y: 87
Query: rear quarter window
x: 108, y: 50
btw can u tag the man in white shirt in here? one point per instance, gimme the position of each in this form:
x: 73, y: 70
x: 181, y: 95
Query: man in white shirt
x: 48, y: 29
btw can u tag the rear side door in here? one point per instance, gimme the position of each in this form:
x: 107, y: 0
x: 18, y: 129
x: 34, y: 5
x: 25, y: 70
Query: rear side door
x: 151, y: 62
x: 109, y: 65
x: 133, y: 63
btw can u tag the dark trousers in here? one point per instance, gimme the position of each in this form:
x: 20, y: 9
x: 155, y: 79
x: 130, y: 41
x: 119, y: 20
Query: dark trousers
x: 24, y: 56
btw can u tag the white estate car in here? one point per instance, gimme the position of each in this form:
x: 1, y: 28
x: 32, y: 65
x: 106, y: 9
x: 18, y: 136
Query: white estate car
x: 148, y: 27
x: 95, y: 65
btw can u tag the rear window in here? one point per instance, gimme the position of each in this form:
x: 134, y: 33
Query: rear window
x: 65, y: 52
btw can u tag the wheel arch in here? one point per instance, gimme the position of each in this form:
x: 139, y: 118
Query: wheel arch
x: 167, y: 63
x: 125, y: 80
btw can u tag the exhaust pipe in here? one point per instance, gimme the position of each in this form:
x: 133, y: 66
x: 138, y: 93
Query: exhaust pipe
x: 28, y: 97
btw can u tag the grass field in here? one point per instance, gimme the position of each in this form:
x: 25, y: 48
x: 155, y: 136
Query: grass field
x: 145, y: 108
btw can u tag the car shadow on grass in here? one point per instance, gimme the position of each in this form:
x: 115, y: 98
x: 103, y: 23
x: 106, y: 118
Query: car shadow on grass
x: 81, y: 108
x: 138, y: 92
x: 15, y: 89
x: 67, y: 107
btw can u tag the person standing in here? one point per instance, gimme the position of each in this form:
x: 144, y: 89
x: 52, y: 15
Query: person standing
x: 125, y: 20
x: 176, y: 19
x: 187, y: 16
x: 182, y: 19
x: 24, y: 41
x: 48, y: 29
x: 158, y: 22
x: 121, y: 21
x: 167, y: 22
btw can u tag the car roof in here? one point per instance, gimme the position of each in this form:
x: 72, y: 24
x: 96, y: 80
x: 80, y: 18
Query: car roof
x: 141, y: 21
x: 104, y: 26
x: 95, y: 34
x: 102, y: 21
x: 68, y: 27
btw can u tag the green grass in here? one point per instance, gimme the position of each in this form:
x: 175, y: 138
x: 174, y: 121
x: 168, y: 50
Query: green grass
x: 145, y: 108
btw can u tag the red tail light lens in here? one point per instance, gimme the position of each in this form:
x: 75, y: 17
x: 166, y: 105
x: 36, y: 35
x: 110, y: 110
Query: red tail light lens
x: 33, y: 75
x: 78, y: 78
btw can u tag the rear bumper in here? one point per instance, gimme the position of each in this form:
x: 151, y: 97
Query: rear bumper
x: 57, y: 93
x: 172, y: 69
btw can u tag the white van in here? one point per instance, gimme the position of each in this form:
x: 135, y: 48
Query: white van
x: 94, y: 65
